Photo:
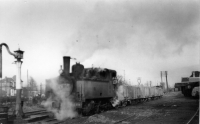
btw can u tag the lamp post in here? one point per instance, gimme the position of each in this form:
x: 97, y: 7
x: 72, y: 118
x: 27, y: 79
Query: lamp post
x: 18, y: 54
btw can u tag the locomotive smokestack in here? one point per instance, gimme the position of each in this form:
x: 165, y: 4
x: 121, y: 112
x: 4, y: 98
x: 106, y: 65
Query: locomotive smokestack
x: 66, y: 62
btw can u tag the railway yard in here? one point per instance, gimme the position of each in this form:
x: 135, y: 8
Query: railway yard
x: 172, y: 108
x: 99, y: 62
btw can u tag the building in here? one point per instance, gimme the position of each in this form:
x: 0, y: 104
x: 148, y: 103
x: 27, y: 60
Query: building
x: 30, y: 92
x: 7, y: 86
x: 2, y: 93
x: 25, y: 92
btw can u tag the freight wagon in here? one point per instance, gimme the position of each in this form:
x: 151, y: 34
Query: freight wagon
x: 131, y: 94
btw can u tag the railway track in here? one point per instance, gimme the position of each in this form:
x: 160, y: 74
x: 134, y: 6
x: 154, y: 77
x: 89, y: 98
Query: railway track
x: 50, y: 121
x: 34, y: 116
x: 41, y: 117
x: 45, y: 117
x: 162, y: 107
x: 36, y: 112
x: 129, y: 117
x: 195, y: 118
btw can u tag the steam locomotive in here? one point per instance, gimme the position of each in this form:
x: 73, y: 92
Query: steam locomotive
x: 95, y: 89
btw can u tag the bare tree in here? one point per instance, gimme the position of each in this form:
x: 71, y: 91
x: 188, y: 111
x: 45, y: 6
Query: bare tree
x: 33, y: 84
x: 121, y: 80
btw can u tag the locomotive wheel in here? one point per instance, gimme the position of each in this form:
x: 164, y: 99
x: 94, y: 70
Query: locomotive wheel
x: 98, y: 108
x: 125, y: 103
x: 129, y: 102
x: 109, y: 106
x: 88, y: 108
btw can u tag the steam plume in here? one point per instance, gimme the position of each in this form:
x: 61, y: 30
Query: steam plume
x: 120, y: 96
x: 62, y: 95
x: 156, y: 27
x: 149, y: 36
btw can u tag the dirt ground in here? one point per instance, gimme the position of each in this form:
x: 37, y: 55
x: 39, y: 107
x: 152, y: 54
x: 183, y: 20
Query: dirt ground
x: 172, y: 108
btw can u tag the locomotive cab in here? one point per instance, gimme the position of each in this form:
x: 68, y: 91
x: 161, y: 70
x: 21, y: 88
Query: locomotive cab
x: 93, y: 86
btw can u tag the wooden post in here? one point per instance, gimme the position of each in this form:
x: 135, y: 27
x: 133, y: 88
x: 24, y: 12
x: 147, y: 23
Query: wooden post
x: 166, y: 80
x: 0, y: 61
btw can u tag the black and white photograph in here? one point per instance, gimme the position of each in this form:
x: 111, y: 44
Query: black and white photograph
x: 99, y: 61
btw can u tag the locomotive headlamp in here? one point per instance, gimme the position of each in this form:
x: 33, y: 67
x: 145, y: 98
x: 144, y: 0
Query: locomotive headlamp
x: 19, y: 54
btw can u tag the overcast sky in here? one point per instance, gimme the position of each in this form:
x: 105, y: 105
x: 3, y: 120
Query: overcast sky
x: 140, y: 37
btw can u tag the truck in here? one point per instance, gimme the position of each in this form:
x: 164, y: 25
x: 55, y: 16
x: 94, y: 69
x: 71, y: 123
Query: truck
x: 187, y: 84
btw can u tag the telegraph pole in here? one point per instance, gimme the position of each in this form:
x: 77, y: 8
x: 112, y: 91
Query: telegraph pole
x: 40, y: 89
x: 124, y: 76
x: 165, y: 73
x: 27, y: 78
x: 166, y: 80
x: 1, y: 88
x: 6, y: 88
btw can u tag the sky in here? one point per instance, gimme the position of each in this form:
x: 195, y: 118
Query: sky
x: 136, y: 38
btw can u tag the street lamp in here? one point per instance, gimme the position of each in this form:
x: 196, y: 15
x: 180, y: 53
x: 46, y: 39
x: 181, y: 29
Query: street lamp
x: 18, y: 54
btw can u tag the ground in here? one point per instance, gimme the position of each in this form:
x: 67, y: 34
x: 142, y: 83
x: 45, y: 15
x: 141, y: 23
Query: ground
x: 26, y: 108
x: 172, y: 108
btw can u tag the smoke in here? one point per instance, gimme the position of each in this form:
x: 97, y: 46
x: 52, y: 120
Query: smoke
x: 141, y: 37
x: 61, y: 93
x: 120, y: 97
x: 157, y: 28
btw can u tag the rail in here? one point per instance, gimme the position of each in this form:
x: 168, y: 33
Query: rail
x: 192, y: 118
